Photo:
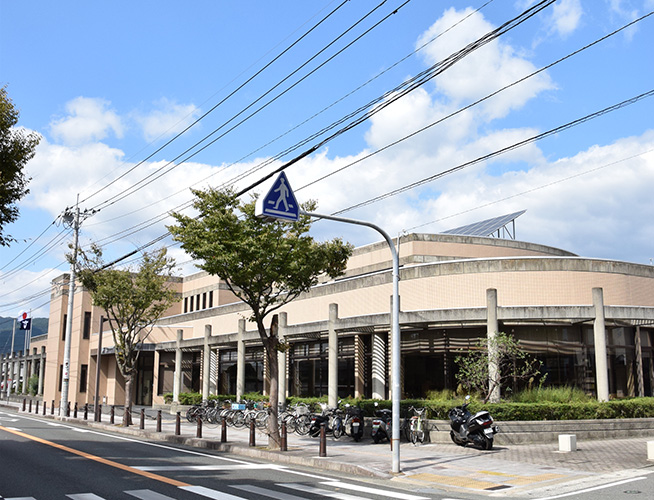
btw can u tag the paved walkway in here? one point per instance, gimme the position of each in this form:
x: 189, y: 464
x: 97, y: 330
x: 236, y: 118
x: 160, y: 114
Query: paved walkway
x: 529, y: 471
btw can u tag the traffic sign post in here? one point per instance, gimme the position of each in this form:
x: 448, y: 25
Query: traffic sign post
x: 280, y: 203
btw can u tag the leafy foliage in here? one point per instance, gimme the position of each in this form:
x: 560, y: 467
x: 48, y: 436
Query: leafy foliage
x: 16, y: 149
x: 133, y: 301
x: 513, y: 363
x: 265, y: 264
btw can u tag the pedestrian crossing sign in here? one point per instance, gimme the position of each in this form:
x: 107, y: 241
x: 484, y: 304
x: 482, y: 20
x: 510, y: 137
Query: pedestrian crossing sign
x: 279, y: 202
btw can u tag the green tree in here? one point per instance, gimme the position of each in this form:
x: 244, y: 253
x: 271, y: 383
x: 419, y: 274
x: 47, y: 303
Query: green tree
x: 265, y: 264
x: 16, y: 149
x: 511, y: 362
x: 133, y: 301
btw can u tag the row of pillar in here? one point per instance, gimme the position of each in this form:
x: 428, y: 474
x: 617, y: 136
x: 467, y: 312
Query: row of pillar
x: 379, y: 355
x: 16, y: 365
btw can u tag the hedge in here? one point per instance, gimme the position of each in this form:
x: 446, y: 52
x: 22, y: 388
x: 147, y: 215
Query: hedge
x: 505, y: 411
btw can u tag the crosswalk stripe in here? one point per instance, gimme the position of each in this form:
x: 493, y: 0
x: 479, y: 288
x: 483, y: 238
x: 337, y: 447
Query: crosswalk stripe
x: 20, y: 498
x: 84, y: 496
x: 278, y: 495
x: 320, y: 491
x: 374, y: 491
x: 209, y: 493
x: 148, y: 495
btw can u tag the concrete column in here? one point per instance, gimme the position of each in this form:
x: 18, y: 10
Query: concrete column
x: 41, y: 371
x: 359, y: 367
x: 240, y: 360
x: 206, y: 363
x: 599, y: 330
x: 26, y: 373
x: 4, y: 368
x: 639, y: 364
x: 378, y: 366
x: 491, y: 330
x: 282, y: 381
x: 213, y: 378
x: 332, y: 357
x: 177, y: 381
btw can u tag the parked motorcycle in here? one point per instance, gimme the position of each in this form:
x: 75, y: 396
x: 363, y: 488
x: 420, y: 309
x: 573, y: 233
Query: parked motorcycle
x: 354, y: 422
x: 332, y: 419
x: 477, y: 429
x: 381, y: 425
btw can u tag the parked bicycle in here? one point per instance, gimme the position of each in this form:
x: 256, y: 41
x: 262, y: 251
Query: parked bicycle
x: 416, y: 425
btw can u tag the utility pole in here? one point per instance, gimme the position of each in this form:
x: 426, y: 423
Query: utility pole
x: 72, y: 219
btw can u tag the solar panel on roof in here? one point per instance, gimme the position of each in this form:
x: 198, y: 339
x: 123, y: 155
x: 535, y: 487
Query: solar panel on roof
x: 485, y: 227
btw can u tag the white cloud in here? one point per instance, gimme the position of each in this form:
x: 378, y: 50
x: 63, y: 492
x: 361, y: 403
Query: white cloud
x: 566, y: 16
x: 88, y: 120
x: 484, y: 71
x: 167, y: 119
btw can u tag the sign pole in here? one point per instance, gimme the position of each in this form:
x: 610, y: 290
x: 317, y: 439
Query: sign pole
x: 395, y: 334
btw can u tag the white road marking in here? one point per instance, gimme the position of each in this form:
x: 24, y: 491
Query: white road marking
x: 604, y: 486
x: 374, y: 491
x: 209, y: 493
x: 85, y: 496
x: 159, y: 468
x: 278, y: 495
x: 320, y: 491
x: 148, y: 495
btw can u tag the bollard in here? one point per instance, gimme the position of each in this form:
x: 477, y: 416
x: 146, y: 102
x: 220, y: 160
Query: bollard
x: 30, y: 406
x: 86, y: 411
x: 198, y: 432
x: 158, y: 420
x: 323, y: 441
x: 223, y: 430
x: 142, y: 423
x: 24, y: 401
x: 52, y: 408
x: 112, y: 414
x: 37, y: 407
x: 178, y: 424
x: 252, y: 433
x: 284, y: 443
x: 567, y: 442
x: 45, y: 406
x: 98, y: 417
x: 68, y: 408
x: 74, y: 410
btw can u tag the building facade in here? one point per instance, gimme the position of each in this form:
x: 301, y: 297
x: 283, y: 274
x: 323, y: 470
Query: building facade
x: 575, y: 314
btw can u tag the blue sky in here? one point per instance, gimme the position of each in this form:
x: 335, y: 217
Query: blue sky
x: 106, y: 84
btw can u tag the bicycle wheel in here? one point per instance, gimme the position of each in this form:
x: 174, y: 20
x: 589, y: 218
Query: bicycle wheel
x: 192, y: 414
x: 289, y: 420
x: 337, y: 427
x: 302, y: 424
x: 261, y: 419
x: 238, y: 419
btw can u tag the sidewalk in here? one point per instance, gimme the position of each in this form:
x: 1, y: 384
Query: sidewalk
x: 531, y: 471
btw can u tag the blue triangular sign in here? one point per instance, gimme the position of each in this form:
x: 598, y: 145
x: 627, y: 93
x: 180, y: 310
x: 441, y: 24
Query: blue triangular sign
x: 280, y: 202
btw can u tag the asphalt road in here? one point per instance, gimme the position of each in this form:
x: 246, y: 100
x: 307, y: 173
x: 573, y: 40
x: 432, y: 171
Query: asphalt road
x: 46, y: 460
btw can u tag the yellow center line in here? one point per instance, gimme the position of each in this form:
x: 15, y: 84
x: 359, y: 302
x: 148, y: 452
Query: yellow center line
x: 101, y: 460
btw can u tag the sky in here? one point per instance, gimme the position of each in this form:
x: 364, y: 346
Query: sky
x: 138, y: 102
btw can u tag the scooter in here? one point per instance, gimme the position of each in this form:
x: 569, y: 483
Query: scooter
x: 381, y: 425
x: 354, y: 422
x: 477, y: 430
x: 332, y: 420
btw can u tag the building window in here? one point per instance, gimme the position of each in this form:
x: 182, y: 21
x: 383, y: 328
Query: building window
x: 197, y: 302
x: 61, y: 376
x: 211, y: 299
x: 86, y: 333
x: 190, y: 304
x: 83, y: 376
x: 63, y: 328
x: 204, y: 300
x: 185, y: 304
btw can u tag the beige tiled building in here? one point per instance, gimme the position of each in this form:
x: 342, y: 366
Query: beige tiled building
x: 550, y: 299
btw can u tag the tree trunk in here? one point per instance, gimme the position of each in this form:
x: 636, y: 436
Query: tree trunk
x: 270, y: 343
x: 129, y: 396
